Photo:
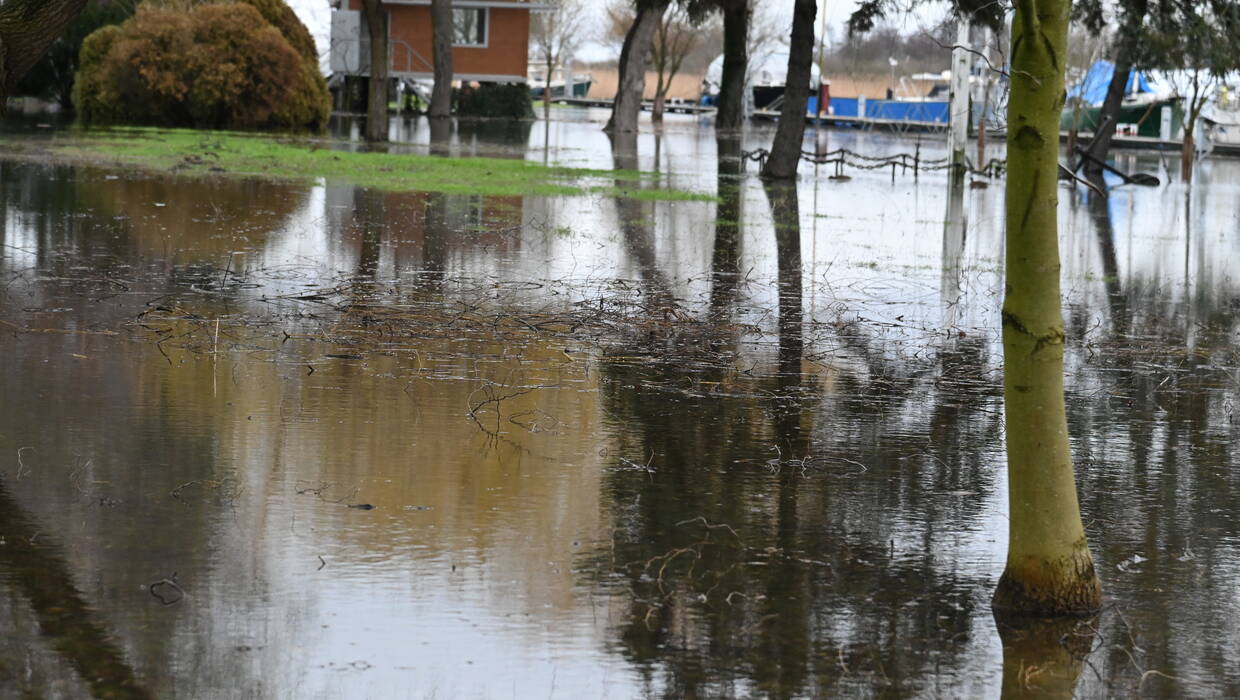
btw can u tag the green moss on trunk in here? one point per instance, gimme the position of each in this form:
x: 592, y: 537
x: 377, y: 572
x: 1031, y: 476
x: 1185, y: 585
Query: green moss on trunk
x: 1049, y: 569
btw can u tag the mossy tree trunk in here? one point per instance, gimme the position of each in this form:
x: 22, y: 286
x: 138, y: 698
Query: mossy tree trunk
x: 377, y: 91
x: 441, y: 57
x: 1049, y: 568
x: 27, y: 29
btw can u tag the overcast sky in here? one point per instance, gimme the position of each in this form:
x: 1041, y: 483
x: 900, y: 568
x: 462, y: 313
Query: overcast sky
x: 316, y: 14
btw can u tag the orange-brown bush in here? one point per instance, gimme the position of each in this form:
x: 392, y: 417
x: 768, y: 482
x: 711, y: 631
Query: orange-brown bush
x: 219, y: 65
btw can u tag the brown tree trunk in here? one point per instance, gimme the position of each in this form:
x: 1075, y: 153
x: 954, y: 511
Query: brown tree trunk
x: 1108, y: 117
x: 27, y: 28
x: 628, y: 102
x: 730, y: 114
x: 660, y: 98
x: 786, y: 151
x: 441, y: 56
x: 1188, y: 152
x: 377, y: 92
x: 547, y: 88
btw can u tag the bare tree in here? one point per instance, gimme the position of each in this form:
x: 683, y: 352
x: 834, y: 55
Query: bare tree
x: 441, y: 55
x: 674, y: 38
x: 27, y: 28
x: 1197, y: 43
x: 677, y: 35
x: 556, y: 33
x: 377, y: 92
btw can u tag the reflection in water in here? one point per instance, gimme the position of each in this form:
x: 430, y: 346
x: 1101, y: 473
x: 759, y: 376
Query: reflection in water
x: 368, y: 209
x: 614, y: 446
x: 636, y: 219
x: 1100, y: 212
x: 1044, y: 658
x: 955, y: 224
x: 32, y: 565
x: 726, y: 254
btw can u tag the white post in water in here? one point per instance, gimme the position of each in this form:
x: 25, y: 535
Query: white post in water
x: 959, y: 109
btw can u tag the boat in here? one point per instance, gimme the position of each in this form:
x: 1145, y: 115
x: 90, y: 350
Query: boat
x: 765, y: 79
x: 577, y: 86
x: 1140, y: 114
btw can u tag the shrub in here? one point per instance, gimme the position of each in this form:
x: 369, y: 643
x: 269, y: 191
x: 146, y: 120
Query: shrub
x: 52, y: 77
x: 511, y: 101
x: 219, y: 65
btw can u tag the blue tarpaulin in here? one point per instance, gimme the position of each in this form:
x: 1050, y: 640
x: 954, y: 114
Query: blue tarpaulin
x: 896, y: 110
x: 1093, y: 89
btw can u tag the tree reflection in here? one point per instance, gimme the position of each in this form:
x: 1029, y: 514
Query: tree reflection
x: 1043, y: 658
x: 725, y: 257
x: 955, y: 225
x: 1100, y: 213
x: 37, y: 569
x: 755, y: 550
x: 370, y: 213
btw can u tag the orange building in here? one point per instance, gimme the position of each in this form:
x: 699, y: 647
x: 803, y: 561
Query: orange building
x: 490, y: 39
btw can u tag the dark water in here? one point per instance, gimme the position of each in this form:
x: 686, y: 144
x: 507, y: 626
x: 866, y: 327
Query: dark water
x: 612, y: 448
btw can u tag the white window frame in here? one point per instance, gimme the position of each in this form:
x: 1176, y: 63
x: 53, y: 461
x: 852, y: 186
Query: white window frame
x: 486, y: 27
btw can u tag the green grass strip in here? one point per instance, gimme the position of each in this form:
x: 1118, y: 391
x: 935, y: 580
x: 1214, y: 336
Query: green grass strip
x: 231, y: 153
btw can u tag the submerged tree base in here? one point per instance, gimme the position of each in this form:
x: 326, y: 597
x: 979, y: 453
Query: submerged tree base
x: 1067, y: 586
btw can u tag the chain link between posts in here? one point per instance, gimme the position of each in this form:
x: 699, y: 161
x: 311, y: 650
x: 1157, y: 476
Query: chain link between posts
x: 843, y: 158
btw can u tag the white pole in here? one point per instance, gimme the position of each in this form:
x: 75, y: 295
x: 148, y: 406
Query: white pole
x: 959, y: 108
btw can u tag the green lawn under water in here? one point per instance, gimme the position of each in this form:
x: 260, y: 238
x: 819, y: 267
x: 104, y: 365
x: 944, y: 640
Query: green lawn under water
x: 231, y: 153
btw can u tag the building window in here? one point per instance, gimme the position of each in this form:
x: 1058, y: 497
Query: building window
x: 469, y: 27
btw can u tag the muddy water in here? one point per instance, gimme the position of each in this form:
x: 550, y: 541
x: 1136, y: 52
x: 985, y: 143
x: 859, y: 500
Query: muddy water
x: 273, y: 440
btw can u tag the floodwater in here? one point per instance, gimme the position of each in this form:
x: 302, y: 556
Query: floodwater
x: 271, y: 440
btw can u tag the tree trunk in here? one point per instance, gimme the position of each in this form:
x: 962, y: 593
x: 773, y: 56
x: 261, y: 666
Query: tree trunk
x: 1049, y: 568
x: 27, y: 29
x: 628, y: 102
x: 1108, y: 117
x: 730, y: 113
x: 441, y: 56
x: 1189, y: 153
x: 547, y: 88
x: 660, y: 98
x: 790, y: 134
x: 377, y: 87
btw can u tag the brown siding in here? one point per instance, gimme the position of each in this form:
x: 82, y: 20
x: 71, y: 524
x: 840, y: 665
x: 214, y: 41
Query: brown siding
x: 507, y: 51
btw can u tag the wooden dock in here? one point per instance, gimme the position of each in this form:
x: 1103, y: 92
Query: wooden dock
x: 647, y: 105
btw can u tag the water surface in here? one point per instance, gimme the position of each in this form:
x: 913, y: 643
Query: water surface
x: 264, y: 439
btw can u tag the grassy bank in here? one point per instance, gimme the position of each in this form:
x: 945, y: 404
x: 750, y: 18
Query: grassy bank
x: 194, y: 152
